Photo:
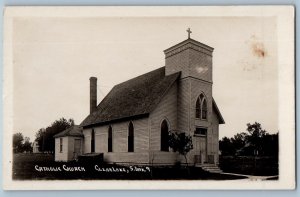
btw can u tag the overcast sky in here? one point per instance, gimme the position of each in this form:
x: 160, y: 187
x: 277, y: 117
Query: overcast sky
x: 53, y: 59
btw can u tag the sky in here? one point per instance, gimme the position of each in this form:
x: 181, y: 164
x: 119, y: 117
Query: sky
x: 53, y: 59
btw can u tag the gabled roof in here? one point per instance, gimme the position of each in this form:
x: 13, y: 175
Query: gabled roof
x: 75, y: 131
x: 135, y: 97
x: 215, y: 107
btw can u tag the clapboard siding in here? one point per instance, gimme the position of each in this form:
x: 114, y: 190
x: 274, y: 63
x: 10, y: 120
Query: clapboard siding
x: 120, y: 140
x: 215, y: 138
x: 198, y: 87
x: 178, y: 108
x: 178, y: 62
x: 119, y: 135
x: 200, y: 65
x: 61, y: 156
x: 191, y: 62
x: 71, y: 147
x: 167, y: 158
x: 125, y: 157
x: 101, y: 135
x: 185, y: 123
x: 141, y: 135
x: 166, y: 109
x: 183, y: 104
x: 87, y: 140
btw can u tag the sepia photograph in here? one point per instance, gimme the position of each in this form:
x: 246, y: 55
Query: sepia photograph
x: 149, y: 97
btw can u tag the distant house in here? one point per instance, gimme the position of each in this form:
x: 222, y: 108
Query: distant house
x: 35, y: 147
x: 131, y: 124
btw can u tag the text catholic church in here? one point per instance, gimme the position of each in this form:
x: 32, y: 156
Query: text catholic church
x: 131, y: 124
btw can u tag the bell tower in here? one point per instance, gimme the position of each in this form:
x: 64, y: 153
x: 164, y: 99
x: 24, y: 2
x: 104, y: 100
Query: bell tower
x: 194, y: 60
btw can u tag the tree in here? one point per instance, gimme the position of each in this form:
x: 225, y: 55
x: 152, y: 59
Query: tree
x: 27, y: 145
x: 226, y: 146
x: 270, y: 145
x: 239, y: 140
x: 180, y: 142
x: 256, y: 136
x: 17, y: 142
x: 256, y: 141
x: 44, y: 137
x: 39, y: 138
x: 21, y: 144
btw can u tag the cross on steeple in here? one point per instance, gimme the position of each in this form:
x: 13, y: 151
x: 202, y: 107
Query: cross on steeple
x: 189, y: 32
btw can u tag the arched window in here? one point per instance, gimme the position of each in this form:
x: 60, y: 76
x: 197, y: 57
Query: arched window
x: 198, y: 108
x: 109, y: 143
x: 93, y: 141
x: 130, y: 137
x: 164, y: 143
x: 204, y: 110
x: 201, y: 107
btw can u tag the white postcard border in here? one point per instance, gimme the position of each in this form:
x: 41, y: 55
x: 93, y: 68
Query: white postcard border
x: 286, y: 84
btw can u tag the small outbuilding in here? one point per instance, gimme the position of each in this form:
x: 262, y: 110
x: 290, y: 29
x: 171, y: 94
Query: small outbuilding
x: 68, y: 144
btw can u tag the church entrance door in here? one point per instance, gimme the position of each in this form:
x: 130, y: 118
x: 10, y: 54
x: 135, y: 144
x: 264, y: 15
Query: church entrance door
x: 202, y: 152
x: 200, y: 149
x: 201, y: 145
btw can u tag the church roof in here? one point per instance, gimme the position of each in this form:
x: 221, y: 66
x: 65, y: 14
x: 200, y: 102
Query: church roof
x: 132, y: 98
x: 215, y: 107
x: 75, y: 131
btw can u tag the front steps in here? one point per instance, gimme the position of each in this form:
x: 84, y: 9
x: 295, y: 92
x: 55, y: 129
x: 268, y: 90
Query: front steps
x: 212, y: 168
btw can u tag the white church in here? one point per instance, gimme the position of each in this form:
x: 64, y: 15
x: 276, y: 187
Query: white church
x: 131, y: 124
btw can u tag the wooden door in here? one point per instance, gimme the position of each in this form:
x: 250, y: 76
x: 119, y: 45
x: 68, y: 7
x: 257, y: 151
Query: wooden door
x: 77, y: 148
x: 203, y: 151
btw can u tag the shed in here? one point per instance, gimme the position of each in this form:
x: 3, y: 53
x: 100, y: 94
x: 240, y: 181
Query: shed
x: 68, y: 144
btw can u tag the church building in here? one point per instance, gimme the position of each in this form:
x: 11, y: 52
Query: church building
x: 131, y: 124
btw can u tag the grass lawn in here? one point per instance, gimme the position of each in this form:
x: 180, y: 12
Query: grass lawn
x: 43, y: 167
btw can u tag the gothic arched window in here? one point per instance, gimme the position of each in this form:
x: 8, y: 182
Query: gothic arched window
x: 110, y: 140
x: 130, y: 137
x: 93, y: 141
x: 164, y: 143
x: 201, y: 107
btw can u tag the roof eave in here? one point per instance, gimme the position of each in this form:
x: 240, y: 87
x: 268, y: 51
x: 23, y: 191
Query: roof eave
x: 115, y: 120
x: 57, y: 136
x: 200, y: 44
x: 221, y: 119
